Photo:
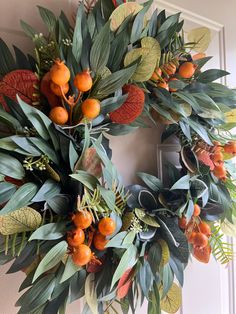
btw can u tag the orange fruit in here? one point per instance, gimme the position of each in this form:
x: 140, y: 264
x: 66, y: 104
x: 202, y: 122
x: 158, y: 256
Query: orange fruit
x: 106, y: 226
x: 218, y: 158
x: 59, y: 115
x: 156, y: 74
x: 182, y: 222
x: 100, y: 241
x: 173, y: 89
x: 82, y: 255
x: 191, y: 236
x: 163, y: 85
x: 199, y: 240
x: 83, y: 81
x: 202, y: 254
x: 197, y: 210
x: 187, y: 69
x: 76, y: 237
x: 220, y: 172
x: 59, y: 73
x: 82, y: 219
x: 230, y: 148
x: 204, y: 228
x: 90, y: 108
x: 56, y: 89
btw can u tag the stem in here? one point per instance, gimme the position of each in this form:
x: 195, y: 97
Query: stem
x: 6, y: 244
x: 22, y: 243
x: 13, y: 248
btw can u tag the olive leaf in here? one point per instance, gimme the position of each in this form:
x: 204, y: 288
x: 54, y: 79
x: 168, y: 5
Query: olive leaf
x: 201, y: 36
x: 172, y: 301
x: 11, y: 166
x: 90, y: 293
x: 147, y: 219
x: 122, y: 12
x: 149, y: 53
x: 20, y: 220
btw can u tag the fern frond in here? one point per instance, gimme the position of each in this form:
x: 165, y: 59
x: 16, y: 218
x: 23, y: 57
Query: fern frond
x: 221, y: 250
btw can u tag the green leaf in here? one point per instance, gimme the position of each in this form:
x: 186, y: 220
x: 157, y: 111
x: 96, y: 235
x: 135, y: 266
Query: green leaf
x: 110, y: 104
x: 211, y: 75
x: 117, y: 240
x: 9, y: 120
x: 37, y: 295
x: 48, y: 18
x: 108, y: 196
x: 51, y: 259
x: 151, y: 181
x: 198, y: 188
x: 100, y: 50
x: 182, y: 184
x: 24, y: 143
x: 20, y: 220
x: 70, y: 269
x: 167, y: 279
x: 172, y: 301
x: 200, y: 130
x: 113, y: 82
x: 6, y: 191
x: 154, y: 257
x: 45, y: 148
x: 10, y: 166
x: 48, y: 190
x: 90, y: 293
x: 73, y: 156
x: 77, y: 42
x: 86, y: 179
x: 22, y: 197
x: 28, y: 30
x: 147, y: 219
x: 190, y: 210
x: 149, y: 53
x: 7, y: 62
x: 51, y: 231
x: 127, y: 261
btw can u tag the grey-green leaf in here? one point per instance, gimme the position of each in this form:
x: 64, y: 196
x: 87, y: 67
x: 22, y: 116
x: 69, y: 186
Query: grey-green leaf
x: 10, y: 166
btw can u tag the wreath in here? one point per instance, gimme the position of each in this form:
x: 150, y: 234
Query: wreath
x: 66, y: 219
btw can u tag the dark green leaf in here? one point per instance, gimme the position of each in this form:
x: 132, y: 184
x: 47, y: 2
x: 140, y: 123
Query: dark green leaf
x: 48, y: 18
x: 6, y: 191
x: 154, y: 257
x: 211, y: 75
x: 7, y: 62
x: 86, y: 179
x: 77, y: 43
x: 110, y: 104
x: 48, y: 190
x: 51, y: 231
x: 10, y: 166
x: 151, y: 181
x: 70, y: 269
x: 22, y: 197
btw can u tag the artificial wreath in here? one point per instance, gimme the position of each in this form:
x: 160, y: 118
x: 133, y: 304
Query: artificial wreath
x: 66, y: 219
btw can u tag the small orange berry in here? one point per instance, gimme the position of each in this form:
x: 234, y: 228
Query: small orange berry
x: 75, y: 237
x: 83, y: 81
x: 100, y: 241
x: 205, y: 228
x: 230, y: 148
x: 82, y: 219
x: 106, y: 226
x: 156, y: 74
x: 200, y: 240
x: 91, y: 108
x: 59, y: 73
x: 163, y: 85
x: 220, y: 172
x: 197, y: 210
x: 59, y: 115
x: 187, y: 69
x: 82, y: 255
x: 182, y: 222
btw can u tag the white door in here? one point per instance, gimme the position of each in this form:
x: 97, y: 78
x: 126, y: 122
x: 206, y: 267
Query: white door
x: 208, y: 289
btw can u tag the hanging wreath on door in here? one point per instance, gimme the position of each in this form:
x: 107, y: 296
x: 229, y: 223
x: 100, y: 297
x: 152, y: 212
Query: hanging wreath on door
x: 66, y: 219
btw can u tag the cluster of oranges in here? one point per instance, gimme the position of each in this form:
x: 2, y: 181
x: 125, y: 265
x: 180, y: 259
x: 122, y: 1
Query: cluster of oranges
x: 170, y: 72
x: 76, y: 239
x: 197, y: 233
x: 59, y: 76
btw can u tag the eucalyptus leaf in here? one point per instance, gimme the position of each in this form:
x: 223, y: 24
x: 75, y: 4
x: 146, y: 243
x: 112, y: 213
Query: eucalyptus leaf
x: 147, y: 219
x: 51, y: 231
x: 48, y: 190
x: 70, y: 269
x: 22, y: 197
x: 51, y: 259
x: 85, y: 178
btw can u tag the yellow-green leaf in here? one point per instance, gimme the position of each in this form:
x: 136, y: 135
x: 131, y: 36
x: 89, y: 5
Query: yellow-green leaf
x: 230, y: 116
x: 149, y: 53
x: 20, y: 220
x: 229, y: 228
x: 165, y: 252
x: 90, y: 293
x: 122, y: 12
x: 172, y: 301
x: 201, y: 36
x: 147, y: 219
